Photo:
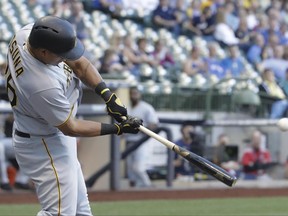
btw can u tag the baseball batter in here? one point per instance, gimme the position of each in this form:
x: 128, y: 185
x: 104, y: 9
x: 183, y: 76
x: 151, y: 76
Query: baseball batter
x: 45, y: 67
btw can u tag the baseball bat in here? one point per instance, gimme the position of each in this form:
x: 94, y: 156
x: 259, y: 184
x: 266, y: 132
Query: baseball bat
x: 202, y: 163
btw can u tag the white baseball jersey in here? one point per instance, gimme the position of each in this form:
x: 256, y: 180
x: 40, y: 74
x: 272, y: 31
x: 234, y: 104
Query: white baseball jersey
x: 41, y: 96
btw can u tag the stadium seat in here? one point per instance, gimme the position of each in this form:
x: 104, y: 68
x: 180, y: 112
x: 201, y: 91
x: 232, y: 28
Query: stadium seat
x: 246, y: 100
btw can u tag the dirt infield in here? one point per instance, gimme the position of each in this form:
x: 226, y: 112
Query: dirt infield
x: 18, y: 197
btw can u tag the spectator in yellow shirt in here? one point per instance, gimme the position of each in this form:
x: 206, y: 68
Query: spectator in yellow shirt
x: 271, y: 87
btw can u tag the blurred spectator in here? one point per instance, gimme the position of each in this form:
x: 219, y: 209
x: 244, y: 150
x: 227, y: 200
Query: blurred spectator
x: 194, y: 64
x: 271, y: 88
x: 112, y: 7
x: 130, y: 56
x: 284, y: 83
x: 223, y: 33
x: 284, y: 33
x: 4, y: 180
x: 273, y: 41
x: 45, y: 4
x: 7, y: 157
x: 162, y: 55
x: 276, y: 61
x: 144, y: 54
x: 265, y: 54
x: 164, y: 17
x: 194, y: 9
x: 284, y: 12
x: 58, y: 7
x: 243, y: 34
x: 262, y: 24
x: 202, y: 25
x: 3, y: 66
x: 272, y: 29
x: 256, y: 158
x: 76, y: 18
x: 254, y: 52
x: 137, y: 160
x: 233, y: 64
x: 179, y: 11
x: 116, y: 43
x: 189, y: 141
x: 273, y: 9
x: 221, y: 157
x: 213, y: 62
x: 230, y: 18
x: 110, y: 63
x: 252, y: 11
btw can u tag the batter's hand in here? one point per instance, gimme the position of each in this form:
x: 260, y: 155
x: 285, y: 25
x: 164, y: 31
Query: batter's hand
x: 130, y: 125
x: 115, y: 108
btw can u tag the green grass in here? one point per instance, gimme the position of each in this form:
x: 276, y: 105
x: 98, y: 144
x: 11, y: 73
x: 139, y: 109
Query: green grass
x: 275, y: 206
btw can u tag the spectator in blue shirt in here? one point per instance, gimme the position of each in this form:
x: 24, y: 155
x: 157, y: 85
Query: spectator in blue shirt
x: 254, y: 52
x: 233, y: 64
x: 164, y: 16
x: 213, y: 62
x: 284, y: 33
x: 273, y: 28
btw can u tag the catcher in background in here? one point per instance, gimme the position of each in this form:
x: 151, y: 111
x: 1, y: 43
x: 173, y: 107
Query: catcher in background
x: 45, y: 68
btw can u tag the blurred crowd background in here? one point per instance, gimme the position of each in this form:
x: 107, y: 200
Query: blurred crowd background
x: 187, y: 43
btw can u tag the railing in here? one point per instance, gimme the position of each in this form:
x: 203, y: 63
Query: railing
x: 234, y: 93
x: 213, y: 88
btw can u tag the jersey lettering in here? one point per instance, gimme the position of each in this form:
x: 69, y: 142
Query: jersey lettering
x: 10, y: 87
x: 14, y: 51
x: 68, y: 71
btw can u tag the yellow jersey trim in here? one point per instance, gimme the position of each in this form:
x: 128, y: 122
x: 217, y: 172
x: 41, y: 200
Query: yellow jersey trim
x: 56, y: 175
x: 67, y: 117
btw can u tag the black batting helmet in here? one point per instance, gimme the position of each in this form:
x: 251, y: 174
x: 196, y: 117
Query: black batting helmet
x: 58, y: 36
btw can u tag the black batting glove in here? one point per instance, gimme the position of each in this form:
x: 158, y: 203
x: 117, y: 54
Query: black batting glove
x: 130, y: 125
x: 114, y: 106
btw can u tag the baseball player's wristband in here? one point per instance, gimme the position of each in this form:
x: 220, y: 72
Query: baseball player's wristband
x: 109, y: 129
x: 102, y: 90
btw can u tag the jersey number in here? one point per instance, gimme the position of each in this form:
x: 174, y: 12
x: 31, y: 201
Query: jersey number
x: 10, y: 89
